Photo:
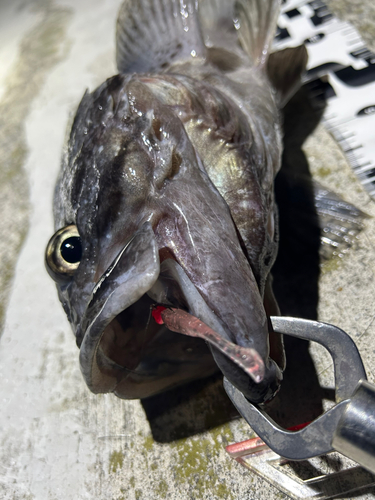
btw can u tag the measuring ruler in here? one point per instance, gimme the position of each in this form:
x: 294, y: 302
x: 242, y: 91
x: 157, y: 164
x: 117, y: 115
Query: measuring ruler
x: 341, y: 72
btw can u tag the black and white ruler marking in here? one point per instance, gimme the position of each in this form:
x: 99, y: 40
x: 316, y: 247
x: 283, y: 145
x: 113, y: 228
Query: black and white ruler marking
x: 341, y: 70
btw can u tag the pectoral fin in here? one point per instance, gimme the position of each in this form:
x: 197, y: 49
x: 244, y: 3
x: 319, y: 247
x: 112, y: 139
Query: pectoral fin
x: 285, y: 69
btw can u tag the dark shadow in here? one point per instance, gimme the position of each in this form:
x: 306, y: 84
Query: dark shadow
x: 202, y: 405
x: 297, y: 268
x: 305, y: 470
x: 189, y: 409
x: 338, y: 482
x: 366, y: 490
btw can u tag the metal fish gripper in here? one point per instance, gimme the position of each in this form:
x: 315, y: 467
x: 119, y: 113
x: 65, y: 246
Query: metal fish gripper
x: 348, y: 427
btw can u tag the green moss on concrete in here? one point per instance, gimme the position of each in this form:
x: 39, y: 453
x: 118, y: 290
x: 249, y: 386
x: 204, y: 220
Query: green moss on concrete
x: 196, y: 461
x: 323, y: 172
x: 148, y: 443
x: 331, y: 265
x: 138, y: 494
x: 162, y: 488
x: 116, y: 461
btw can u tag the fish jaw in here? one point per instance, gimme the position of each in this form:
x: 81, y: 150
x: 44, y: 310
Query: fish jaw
x: 121, y: 350
x: 127, y: 279
x: 208, y: 276
x: 175, y: 287
x: 136, y: 271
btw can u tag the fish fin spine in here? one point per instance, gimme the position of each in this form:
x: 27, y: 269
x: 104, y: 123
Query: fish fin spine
x: 255, y: 22
x: 153, y: 34
x: 216, y: 18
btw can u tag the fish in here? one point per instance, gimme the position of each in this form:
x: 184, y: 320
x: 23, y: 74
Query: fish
x: 166, y: 198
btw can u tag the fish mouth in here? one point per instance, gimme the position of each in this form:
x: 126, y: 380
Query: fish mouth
x: 125, y: 351
x: 257, y: 378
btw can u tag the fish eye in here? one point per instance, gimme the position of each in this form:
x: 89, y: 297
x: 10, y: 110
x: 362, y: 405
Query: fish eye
x: 63, y: 253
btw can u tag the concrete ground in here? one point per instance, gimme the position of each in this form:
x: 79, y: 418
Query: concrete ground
x: 57, y: 440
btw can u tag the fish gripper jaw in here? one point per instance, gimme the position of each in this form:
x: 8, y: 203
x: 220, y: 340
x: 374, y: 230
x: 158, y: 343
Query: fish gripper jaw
x: 348, y: 427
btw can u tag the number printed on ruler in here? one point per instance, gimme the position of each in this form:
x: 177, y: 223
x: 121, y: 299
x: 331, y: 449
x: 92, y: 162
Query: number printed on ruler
x: 341, y: 70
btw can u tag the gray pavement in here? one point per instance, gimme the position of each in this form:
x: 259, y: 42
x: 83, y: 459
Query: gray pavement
x: 57, y: 440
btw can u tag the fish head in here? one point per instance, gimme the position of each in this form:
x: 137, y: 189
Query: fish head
x: 149, y: 226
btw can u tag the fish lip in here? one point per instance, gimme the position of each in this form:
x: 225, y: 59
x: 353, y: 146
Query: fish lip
x: 127, y: 279
x: 147, y: 278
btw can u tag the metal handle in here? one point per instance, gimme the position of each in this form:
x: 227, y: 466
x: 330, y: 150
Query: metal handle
x: 355, y: 433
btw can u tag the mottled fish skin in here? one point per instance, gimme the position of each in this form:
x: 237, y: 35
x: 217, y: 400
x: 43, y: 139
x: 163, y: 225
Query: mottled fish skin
x: 237, y: 135
x: 174, y: 163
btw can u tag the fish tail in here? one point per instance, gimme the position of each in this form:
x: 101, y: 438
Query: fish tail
x: 154, y: 34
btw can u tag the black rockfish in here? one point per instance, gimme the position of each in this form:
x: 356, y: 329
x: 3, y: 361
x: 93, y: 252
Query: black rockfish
x: 166, y: 197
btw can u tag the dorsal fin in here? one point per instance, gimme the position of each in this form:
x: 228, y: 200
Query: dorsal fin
x: 216, y: 17
x: 153, y: 34
x: 256, y: 22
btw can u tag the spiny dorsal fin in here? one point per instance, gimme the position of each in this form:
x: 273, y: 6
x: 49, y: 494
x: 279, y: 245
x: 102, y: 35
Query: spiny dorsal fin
x: 256, y: 22
x: 216, y: 17
x: 153, y: 34
x: 285, y: 69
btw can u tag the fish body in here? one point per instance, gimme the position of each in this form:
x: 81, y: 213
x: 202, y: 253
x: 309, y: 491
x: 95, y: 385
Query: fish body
x: 166, y: 196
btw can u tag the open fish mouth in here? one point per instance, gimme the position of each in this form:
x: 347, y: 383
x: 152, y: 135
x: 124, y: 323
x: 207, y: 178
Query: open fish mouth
x: 123, y: 350
x: 180, y: 321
